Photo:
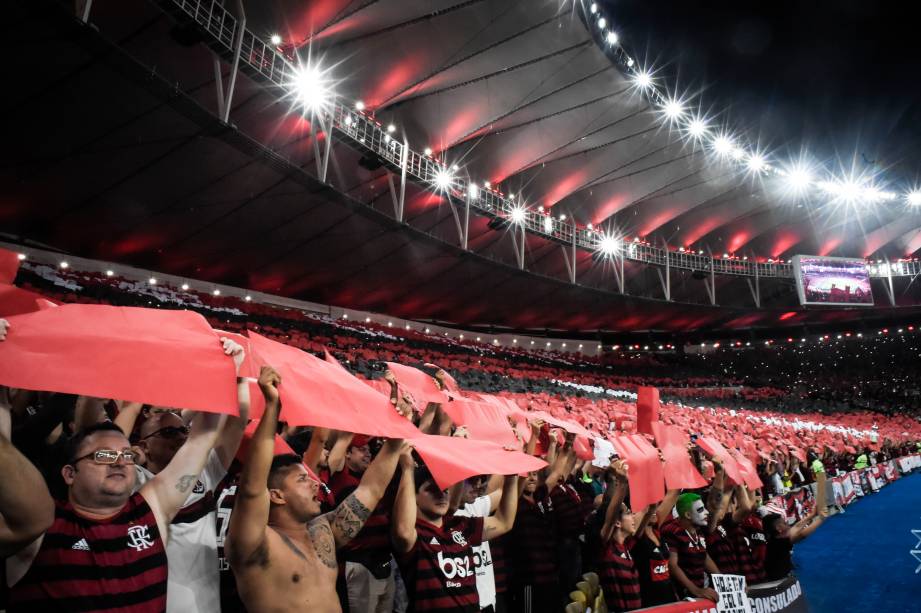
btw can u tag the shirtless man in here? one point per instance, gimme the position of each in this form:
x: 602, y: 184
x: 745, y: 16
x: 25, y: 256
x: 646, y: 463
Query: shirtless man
x: 281, y: 550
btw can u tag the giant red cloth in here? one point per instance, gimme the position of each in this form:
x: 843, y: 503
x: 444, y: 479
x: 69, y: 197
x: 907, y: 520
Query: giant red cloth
x: 645, y: 475
x: 483, y: 420
x: 716, y: 450
x: 680, y: 472
x: 452, y: 459
x: 17, y: 301
x: 647, y: 409
x: 9, y: 265
x: 315, y: 392
x: 162, y: 357
x: 419, y: 384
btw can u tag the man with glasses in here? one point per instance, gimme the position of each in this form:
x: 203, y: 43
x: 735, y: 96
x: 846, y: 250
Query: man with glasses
x: 107, y: 546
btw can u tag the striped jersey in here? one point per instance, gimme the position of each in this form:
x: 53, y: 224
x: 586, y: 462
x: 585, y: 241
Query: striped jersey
x: 534, y: 542
x: 721, y: 548
x: 440, y: 570
x: 567, y: 505
x: 692, y: 550
x: 620, y: 579
x: 116, y: 564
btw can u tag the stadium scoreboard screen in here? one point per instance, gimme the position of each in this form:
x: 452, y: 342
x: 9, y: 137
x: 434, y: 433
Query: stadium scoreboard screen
x: 832, y: 281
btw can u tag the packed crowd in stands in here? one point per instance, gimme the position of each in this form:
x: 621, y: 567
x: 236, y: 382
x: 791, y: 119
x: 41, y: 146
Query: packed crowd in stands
x: 395, y: 472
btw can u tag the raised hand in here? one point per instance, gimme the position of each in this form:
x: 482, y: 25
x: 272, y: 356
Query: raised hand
x: 4, y: 326
x: 269, y: 380
x: 235, y: 350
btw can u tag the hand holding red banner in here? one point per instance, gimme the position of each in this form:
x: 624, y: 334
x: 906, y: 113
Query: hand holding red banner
x: 419, y: 384
x: 484, y: 421
x: 716, y: 450
x: 646, y: 476
x: 452, y: 459
x: 680, y: 472
x: 162, y: 357
x: 317, y: 393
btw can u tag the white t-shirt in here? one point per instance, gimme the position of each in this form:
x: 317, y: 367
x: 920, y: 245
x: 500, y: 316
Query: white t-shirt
x: 194, y: 580
x: 485, y: 579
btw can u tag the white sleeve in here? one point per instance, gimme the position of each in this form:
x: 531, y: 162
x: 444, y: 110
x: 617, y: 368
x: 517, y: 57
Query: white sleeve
x: 481, y: 507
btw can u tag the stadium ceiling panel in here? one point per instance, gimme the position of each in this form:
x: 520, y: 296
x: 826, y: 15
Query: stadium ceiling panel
x: 117, y: 152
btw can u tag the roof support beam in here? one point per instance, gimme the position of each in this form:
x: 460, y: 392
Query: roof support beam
x: 755, y: 287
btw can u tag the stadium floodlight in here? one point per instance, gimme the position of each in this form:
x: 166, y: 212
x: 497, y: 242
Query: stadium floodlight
x: 391, y: 128
x: 612, y: 37
x: 152, y: 280
x: 913, y: 198
x: 799, y: 178
x: 518, y: 215
x: 185, y: 287
x: 311, y: 87
x: 756, y: 163
x: 697, y: 128
x: 110, y: 273
x: 593, y: 8
x: 643, y: 79
x: 602, y: 22
x: 443, y: 179
x: 722, y: 144
x: 64, y: 264
x: 673, y: 108
x: 275, y: 39
x: 247, y: 298
x: 608, y: 245
x: 630, y: 62
x: 427, y: 151
x: 216, y: 292
x: 359, y: 105
x: 21, y: 256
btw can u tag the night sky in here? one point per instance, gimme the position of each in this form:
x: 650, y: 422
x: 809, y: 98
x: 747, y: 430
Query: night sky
x: 837, y: 77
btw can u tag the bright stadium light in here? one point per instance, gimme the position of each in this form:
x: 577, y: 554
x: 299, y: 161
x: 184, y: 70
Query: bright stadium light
x: 673, y: 108
x: 216, y: 292
x: 602, y: 22
x: 756, y: 163
x: 697, y: 128
x: 593, y: 8
x: 152, y: 280
x: 64, y: 264
x: 110, y: 273
x: 311, y: 87
x: 391, y: 128
x: 723, y: 145
x: 643, y: 79
x: 913, y: 198
x: 612, y: 37
x: 359, y: 105
x: 518, y: 215
x: 427, y: 151
x: 443, y: 179
x: 21, y: 256
x: 185, y: 287
x: 276, y: 39
x: 799, y: 178
x: 608, y: 245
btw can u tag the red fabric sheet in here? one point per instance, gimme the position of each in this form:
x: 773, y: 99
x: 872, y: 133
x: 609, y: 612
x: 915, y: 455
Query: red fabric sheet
x: 452, y: 459
x: 484, y: 421
x: 716, y: 450
x: 316, y: 393
x: 17, y: 301
x: 162, y: 357
x: 420, y: 385
x: 9, y: 265
x: 679, y: 470
x: 645, y: 475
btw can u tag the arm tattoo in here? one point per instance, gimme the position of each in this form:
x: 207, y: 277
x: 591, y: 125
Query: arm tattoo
x: 185, y: 482
x: 349, y: 517
x: 323, y: 542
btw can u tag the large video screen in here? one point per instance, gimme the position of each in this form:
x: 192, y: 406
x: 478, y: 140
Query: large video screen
x: 836, y: 281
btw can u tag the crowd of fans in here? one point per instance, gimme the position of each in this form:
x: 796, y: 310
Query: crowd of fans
x: 109, y: 504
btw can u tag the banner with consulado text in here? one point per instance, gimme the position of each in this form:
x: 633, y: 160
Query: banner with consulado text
x: 784, y: 596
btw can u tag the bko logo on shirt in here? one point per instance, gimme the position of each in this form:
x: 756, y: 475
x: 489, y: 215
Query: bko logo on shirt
x: 455, y: 567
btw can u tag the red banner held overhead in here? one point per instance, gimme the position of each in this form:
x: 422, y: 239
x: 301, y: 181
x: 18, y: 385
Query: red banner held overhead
x: 17, y: 301
x: 647, y: 409
x: 748, y: 471
x: 161, y: 357
x: 317, y: 393
x: 645, y: 475
x: 680, y: 472
x: 451, y: 459
x: 484, y: 421
x: 420, y: 385
x: 9, y: 265
x: 716, y: 450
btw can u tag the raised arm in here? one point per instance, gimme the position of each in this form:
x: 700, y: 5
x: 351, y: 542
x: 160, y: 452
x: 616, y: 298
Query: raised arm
x: 128, y: 414
x: 664, y: 510
x: 807, y: 525
x: 232, y: 432
x: 26, y: 508
x: 504, y: 518
x: 619, y: 471
x: 560, y: 465
x: 403, y: 521
x: 314, y: 451
x: 352, y: 513
x: 336, y: 460
x: 246, y: 533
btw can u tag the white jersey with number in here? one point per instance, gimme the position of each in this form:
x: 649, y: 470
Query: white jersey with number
x: 485, y: 579
x: 194, y: 580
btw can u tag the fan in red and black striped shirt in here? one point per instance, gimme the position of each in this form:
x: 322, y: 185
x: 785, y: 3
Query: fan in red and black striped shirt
x: 435, y: 550
x: 687, y: 544
x: 106, y: 547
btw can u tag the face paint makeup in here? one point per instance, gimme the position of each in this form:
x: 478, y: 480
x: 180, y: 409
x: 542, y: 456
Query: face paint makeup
x: 699, y: 514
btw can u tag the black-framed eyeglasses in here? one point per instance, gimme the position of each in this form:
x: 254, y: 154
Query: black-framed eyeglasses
x: 107, y: 456
x: 169, y: 432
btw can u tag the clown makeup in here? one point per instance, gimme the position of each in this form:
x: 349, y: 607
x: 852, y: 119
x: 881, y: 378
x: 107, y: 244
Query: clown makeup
x: 699, y: 514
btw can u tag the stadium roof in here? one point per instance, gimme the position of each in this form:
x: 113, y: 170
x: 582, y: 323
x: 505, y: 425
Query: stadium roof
x: 116, y: 151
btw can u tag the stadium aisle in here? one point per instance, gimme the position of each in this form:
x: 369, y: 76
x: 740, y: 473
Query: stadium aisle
x: 860, y: 561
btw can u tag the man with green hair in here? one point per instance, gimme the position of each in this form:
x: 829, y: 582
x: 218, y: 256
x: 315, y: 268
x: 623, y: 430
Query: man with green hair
x: 688, y: 559
x: 861, y: 462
